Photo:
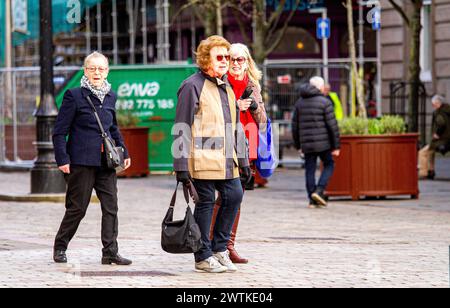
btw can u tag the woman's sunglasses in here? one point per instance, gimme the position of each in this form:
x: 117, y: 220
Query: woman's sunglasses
x: 239, y: 60
x: 220, y: 58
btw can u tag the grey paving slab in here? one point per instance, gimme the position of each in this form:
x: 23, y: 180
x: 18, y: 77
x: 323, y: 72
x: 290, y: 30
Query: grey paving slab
x: 391, y: 243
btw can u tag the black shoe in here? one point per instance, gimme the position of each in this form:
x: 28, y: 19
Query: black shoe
x: 117, y: 259
x: 320, y: 198
x: 59, y: 256
x: 313, y: 204
x: 431, y: 175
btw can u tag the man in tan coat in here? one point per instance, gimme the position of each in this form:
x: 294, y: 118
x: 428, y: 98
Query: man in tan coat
x: 210, y: 149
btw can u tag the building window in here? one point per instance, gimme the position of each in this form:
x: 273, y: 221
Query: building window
x: 296, y: 42
x: 426, y: 43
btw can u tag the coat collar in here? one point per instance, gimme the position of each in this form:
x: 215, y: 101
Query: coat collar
x: 219, y: 82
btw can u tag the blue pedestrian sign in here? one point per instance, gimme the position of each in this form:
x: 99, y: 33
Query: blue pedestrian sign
x: 323, y: 28
x: 376, y: 23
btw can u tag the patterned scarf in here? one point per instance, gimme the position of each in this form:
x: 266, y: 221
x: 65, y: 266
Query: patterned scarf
x: 101, y: 92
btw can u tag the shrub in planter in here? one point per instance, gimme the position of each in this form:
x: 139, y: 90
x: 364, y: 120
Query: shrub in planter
x: 387, y: 125
x: 377, y: 159
x: 127, y: 119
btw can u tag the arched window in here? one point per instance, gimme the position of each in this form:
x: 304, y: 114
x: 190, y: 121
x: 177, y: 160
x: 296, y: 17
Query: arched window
x: 297, y: 41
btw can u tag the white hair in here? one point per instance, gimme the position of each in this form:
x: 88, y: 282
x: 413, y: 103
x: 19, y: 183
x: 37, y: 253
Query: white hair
x: 254, y: 74
x: 95, y: 54
x: 438, y: 99
x: 318, y: 82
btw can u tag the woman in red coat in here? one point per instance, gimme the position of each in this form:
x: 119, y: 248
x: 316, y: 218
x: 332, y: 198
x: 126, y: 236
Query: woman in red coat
x: 245, y: 74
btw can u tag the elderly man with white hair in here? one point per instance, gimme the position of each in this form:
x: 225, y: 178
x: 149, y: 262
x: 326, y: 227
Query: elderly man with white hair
x: 440, y: 138
x: 316, y: 134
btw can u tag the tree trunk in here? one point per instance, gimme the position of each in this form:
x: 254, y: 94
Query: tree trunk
x: 219, y: 22
x: 209, y: 16
x: 414, y: 67
x: 362, y: 112
x: 260, y: 31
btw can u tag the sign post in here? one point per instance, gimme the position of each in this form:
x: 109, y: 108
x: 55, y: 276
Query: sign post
x: 324, y: 33
x: 376, y: 25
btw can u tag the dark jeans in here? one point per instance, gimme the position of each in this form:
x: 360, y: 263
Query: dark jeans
x: 231, y: 193
x: 80, y: 183
x: 311, y: 167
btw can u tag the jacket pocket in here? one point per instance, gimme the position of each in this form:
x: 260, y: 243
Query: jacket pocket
x: 209, y: 160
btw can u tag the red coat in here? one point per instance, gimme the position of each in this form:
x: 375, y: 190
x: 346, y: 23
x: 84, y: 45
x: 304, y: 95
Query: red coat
x: 248, y: 118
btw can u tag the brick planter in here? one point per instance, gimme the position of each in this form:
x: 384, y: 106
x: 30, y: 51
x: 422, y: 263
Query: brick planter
x: 136, y: 141
x: 376, y: 166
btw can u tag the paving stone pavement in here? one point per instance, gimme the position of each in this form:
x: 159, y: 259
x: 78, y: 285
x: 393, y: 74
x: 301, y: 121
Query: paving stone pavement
x: 390, y: 243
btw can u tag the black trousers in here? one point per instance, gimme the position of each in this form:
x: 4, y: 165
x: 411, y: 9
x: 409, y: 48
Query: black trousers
x: 80, y: 183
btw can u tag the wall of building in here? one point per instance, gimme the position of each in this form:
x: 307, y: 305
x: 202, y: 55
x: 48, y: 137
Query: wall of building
x: 442, y: 47
x: 395, y: 49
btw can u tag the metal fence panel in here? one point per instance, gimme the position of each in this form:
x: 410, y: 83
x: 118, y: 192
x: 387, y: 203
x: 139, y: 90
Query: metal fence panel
x: 282, y: 82
x: 18, y: 101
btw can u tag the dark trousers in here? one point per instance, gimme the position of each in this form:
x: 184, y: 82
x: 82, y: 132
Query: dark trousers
x: 80, y: 183
x: 231, y: 194
x: 311, y: 167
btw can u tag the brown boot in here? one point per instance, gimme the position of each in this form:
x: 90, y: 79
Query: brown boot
x: 234, y: 256
x: 214, y: 217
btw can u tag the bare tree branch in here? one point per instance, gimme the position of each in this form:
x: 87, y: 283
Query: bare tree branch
x: 277, y: 13
x: 242, y: 27
x: 282, y: 31
x: 402, y: 13
x: 184, y: 7
x: 237, y: 8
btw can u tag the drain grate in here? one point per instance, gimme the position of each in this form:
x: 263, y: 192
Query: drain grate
x: 306, y: 239
x: 126, y: 274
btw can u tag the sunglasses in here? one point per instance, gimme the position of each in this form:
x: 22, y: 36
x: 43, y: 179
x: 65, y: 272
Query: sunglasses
x: 239, y: 60
x: 220, y: 58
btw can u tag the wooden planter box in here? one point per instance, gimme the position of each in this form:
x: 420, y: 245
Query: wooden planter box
x: 376, y: 166
x: 26, y: 136
x: 136, y: 141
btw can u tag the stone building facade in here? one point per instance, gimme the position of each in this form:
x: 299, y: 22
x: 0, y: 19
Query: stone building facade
x: 435, y: 49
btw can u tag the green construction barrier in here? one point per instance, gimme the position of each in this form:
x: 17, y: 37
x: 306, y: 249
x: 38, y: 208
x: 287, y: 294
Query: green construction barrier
x: 149, y: 93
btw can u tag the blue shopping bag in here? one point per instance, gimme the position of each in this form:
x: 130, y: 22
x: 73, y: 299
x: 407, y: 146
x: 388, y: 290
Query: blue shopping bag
x: 267, y: 160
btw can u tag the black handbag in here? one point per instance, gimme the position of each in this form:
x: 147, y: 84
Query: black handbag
x: 114, y: 155
x: 182, y: 236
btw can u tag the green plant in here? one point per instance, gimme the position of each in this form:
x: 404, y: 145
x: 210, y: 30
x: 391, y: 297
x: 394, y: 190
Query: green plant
x: 353, y: 126
x: 375, y: 127
x: 127, y: 119
x: 393, y: 125
x: 385, y: 126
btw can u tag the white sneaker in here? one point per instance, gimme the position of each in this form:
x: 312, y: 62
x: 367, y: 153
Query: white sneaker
x: 224, y: 259
x: 210, y: 265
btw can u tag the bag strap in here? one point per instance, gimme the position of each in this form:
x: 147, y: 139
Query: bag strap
x: 104, y: 135
x: 188, y: 190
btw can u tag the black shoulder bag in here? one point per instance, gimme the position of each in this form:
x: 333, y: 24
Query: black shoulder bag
x: 182, y: 236
x: 114, y: 155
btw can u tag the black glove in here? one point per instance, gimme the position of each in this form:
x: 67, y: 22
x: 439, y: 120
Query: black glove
x: 246, y: 175
x: 184, y: 177
x: 254, y: 106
